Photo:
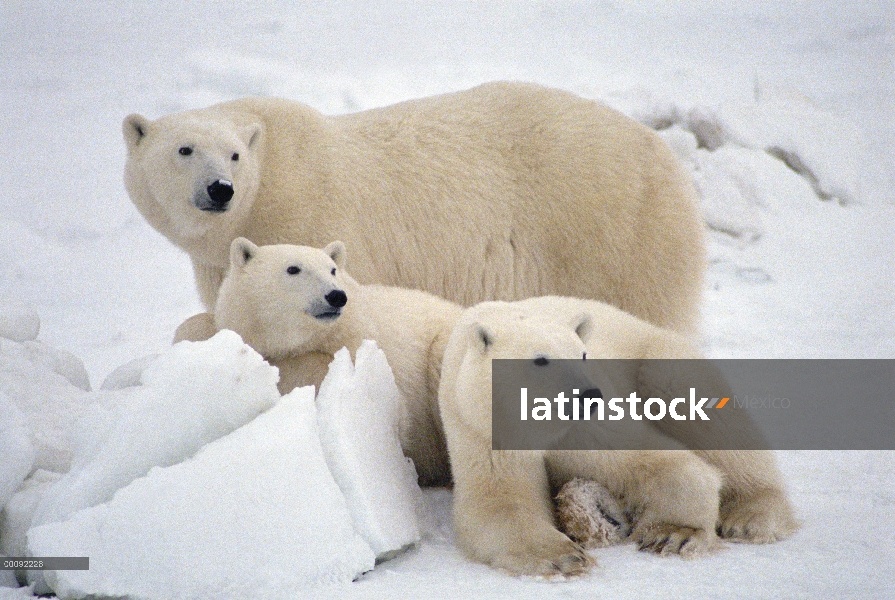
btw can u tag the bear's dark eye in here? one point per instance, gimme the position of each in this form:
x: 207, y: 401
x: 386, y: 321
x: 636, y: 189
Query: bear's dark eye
x: 584, y: 356
x: 235, y: 156
x: 185, y: 151
x: 293, y: 270
x: 541, y: 361
x: 333, y: 272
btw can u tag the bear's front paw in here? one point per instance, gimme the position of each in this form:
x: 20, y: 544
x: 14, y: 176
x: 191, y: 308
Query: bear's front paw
x: 760, y: 518
x: 664, y: 538
x: 553, y: 556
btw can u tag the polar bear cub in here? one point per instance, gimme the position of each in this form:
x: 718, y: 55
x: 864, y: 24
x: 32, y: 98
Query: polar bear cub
x: 289, y: 302
x: 503, y: 511
x: 754, y: 503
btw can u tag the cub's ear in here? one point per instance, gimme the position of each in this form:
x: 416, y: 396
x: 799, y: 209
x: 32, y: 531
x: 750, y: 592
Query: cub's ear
x: 241, y: 252
x: 481, y: 337
x: 583, y: 324
x: 336, y: 251
x: 251, y: 134
x: 134, y: 127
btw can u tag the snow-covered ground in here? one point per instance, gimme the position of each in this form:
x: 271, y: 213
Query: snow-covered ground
x: 783, y: 111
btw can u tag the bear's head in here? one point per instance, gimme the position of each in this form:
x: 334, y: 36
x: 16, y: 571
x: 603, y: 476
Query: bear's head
x: 283, y: 299
x: 502, y: 330
x: 190, y: 175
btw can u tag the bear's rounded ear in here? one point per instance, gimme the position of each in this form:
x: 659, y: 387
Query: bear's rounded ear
x: 482, y: 338
x: 134, y: 128
x: 583, y: 324
x: 251, y: 134
x: 336, y: 251
x: 241, y: 252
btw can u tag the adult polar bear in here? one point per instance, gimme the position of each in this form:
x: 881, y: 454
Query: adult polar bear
x: 501, y: 192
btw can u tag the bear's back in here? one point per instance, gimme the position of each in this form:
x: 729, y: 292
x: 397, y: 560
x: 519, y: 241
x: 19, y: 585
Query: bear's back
x: 501, y: 192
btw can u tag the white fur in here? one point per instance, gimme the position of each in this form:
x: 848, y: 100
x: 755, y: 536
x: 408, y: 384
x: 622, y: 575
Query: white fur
x: 754, y: 504
x: 501, y: 192
x: 274, y: 312
x: 503, y: 512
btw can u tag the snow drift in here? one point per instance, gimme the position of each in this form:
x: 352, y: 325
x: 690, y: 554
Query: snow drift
x: 199, y: 479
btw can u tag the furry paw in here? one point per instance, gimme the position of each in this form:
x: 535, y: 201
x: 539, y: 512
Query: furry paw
x: 663, y: 538
x: 761, y: 518
x: 556, y: 556
x: 590, y: 515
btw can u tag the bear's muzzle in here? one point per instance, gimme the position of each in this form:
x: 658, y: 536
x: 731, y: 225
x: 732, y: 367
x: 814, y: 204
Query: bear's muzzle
x: 219, y: 194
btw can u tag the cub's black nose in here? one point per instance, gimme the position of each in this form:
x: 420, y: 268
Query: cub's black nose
x: 220, y: 192
x: 337, y: 298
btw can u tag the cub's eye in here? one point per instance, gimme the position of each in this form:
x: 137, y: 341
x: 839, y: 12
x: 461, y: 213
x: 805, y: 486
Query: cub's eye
x: 541, y: 361
x: 293, y: 270
x: 235, y: 157
x: 584, y: 356
x: 333, y: 272
x: 185, y: 151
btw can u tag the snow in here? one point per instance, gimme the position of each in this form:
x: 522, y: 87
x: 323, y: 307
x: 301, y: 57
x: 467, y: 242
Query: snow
x: 795, y: 130
x: 15, y: 520
x: 37, y: 383
x: 61, y: 362
x: 150, y: 492
x: 128, y: 374
x: 191, y: 395
x: 13, y: 594
x: 187, y: 531
x: 18, y: 324
x: 358, y: 420
x: 15, y: 447
x: 783, y: 112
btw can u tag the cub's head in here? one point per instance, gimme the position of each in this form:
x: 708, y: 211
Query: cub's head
x: 282, y: 298
x: 191, y: 175
x: 501, y: 330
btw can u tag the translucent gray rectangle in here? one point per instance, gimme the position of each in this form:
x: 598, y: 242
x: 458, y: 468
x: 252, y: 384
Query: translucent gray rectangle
x: 44, y: 563
x: 701, y: 404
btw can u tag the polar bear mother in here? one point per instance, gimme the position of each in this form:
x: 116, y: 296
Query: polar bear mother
x: 501, y: 192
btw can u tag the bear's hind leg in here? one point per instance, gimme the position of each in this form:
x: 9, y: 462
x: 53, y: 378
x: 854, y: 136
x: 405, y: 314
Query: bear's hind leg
x: 754, y: 505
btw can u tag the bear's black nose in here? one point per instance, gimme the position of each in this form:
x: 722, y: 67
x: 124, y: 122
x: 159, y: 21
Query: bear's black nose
x: 337, y: 298
x: 220, y: 192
